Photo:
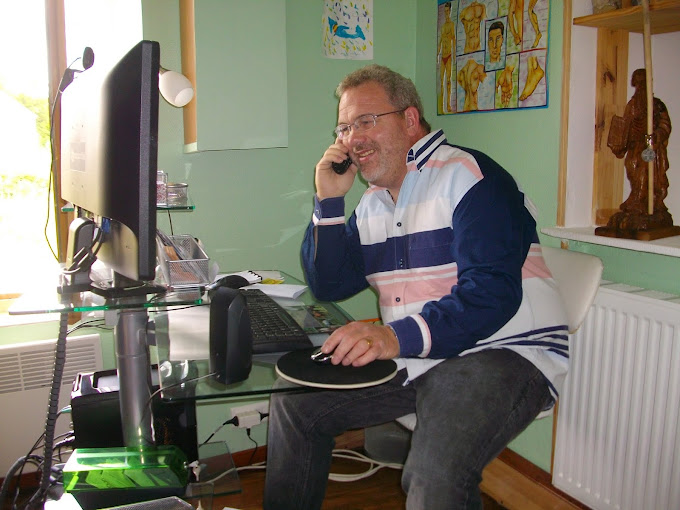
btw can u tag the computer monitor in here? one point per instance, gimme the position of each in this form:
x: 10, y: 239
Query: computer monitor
x: 109, y: 160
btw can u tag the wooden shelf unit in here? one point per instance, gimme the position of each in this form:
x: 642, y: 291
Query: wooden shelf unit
x: 612, y: 78
x: 664, y: 17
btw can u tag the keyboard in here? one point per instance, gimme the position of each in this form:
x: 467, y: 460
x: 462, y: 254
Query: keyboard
x: 274, y: 330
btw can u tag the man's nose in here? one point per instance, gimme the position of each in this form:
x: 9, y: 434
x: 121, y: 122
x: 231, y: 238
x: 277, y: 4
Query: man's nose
x: 353, y: 135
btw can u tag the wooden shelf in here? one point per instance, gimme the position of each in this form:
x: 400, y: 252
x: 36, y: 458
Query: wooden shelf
x: 664, y: 17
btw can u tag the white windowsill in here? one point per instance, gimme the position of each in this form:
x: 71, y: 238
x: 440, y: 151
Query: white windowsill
x: 22, y: 320
x: 668, y: 246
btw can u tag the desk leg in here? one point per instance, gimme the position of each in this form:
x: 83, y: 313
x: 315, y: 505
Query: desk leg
x: 132, y: 353
x: 217, y: 476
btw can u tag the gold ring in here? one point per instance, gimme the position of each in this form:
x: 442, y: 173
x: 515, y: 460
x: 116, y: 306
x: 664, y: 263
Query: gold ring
x: 369, y: 342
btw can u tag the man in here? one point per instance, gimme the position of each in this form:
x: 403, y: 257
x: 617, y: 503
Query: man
x: 470, y: 313
x: 470, y: 76
x: 471, y: 17
x: 505, y: 85
x: 446, y: 52
x: 515, y: 20
x: 495, y: 41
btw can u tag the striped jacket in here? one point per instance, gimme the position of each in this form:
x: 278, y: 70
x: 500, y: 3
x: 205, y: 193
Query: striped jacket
x: 455, y: 262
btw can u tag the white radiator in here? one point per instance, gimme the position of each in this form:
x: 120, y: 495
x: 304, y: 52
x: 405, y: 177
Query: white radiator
x: 25, y: 381
x: 618, y: 425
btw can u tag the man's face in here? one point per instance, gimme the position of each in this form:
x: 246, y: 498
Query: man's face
x: 380, y: 152
x: 495, y: 44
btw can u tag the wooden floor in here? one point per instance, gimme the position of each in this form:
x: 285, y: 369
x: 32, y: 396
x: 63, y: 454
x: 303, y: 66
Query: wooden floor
x: 380, y: 491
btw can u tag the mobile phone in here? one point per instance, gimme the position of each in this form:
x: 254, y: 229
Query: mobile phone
x: 341, y: 168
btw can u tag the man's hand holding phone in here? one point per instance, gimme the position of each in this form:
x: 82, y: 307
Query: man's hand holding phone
x: 335, y: 172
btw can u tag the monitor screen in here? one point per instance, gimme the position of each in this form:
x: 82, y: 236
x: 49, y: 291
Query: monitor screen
x: 109, y: 157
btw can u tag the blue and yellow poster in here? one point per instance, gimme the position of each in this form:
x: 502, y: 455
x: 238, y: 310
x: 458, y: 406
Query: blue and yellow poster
x: 347, y: 28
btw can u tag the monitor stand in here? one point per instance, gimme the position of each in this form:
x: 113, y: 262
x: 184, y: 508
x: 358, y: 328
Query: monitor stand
x: 133, y: 360
x: 218, y: 473
x: 75, y: 277
x: 122, y: 287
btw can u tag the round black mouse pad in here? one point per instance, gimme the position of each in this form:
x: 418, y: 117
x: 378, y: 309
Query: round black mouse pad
x: 298, y: 367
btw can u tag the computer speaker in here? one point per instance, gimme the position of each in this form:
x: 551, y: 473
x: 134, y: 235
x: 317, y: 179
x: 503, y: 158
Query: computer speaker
x: 231, y: 337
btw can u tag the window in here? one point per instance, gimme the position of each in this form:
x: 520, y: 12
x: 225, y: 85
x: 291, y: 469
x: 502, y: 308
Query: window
x: 28, y: 223
x: 27, y: 231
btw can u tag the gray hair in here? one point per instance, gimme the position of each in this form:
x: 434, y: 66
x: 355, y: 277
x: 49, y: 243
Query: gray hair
x: 400, y: 90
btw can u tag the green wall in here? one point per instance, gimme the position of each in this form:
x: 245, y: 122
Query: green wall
x: 525, y: 142
x: 252, y: 206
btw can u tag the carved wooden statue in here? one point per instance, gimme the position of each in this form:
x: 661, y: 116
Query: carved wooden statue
x: 628, y: 137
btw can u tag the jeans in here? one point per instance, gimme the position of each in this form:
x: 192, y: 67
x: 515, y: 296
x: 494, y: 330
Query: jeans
x: 469, y: 408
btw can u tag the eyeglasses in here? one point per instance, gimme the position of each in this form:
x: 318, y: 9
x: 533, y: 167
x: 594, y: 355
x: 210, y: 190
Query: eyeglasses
x: 362, y: 123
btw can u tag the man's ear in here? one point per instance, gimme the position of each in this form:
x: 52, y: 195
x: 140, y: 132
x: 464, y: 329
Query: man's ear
x: 412, y: 118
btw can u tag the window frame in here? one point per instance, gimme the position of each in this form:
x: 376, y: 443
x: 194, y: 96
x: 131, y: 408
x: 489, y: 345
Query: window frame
x: 55, y: 38
x: 55, y: 31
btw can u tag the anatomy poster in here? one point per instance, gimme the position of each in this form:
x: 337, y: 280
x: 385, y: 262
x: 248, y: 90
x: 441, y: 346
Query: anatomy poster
x: 491, y: 55
x: 348, y: 29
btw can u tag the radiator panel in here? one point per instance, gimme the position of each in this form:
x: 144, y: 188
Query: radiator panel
x: 618, y: 435
x: 25, y: 380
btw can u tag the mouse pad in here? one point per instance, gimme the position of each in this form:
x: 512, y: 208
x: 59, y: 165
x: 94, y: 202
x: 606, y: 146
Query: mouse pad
x: 297, y: 367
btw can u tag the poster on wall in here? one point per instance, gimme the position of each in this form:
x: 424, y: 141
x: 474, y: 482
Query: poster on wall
x: 491, y: 55
x: 347, y: 29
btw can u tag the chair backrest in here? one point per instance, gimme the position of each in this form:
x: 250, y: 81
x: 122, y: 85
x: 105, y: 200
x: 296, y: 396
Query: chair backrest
x: 578, y: 278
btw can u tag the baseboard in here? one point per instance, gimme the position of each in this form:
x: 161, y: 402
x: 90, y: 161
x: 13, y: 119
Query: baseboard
x: 518, y: 484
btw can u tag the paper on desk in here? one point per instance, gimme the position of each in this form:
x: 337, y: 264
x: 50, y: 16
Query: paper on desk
x: 250, y: 276
x: 282, y: 290
x: 189, y: 329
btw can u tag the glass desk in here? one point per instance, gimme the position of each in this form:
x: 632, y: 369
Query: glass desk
x: 131, y: 343
x: 184, y: 372
x: 181, y: 378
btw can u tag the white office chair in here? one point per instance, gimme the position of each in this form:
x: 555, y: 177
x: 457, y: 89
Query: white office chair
x: 578, y: 278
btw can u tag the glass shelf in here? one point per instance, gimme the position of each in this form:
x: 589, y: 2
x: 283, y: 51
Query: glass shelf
x: 173, y: 208
x: 45, y: 300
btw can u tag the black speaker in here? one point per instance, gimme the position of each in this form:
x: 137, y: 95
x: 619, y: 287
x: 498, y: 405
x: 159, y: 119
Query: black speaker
x: 231, y: 338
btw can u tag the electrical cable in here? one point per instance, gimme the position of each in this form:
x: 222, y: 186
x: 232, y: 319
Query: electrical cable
x: 252, y: 455
x: 68, y: 75
x: 257, y: 465
x: 374, y: 466
x: 147, y: 405
x: 53, y: 408
x: 172, y: 232
x: 17, y: 466
x: 92, y: 323
x: 232, y: 421
x: 353, y: 455
x: 21, y: 463
x: 86, y: 256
